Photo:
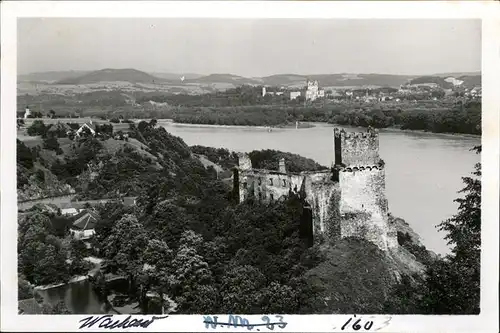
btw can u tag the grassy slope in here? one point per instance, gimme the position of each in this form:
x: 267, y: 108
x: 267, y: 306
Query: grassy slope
x: 356, y: 276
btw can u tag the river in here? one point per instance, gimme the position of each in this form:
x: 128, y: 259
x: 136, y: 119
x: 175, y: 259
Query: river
x: 423, y: 170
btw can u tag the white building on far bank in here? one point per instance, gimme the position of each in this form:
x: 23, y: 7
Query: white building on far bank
x: 27, y: 113
x: 313, y: 92
x: 295, y: 94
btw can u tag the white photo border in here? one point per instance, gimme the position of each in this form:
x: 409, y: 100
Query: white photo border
x: 488, y: 12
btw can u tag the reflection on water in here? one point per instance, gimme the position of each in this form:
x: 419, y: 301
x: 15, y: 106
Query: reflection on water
x: 78, y: 296
x: 423, y: 170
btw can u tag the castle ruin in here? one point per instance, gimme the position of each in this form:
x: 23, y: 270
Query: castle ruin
x: 347, y: 200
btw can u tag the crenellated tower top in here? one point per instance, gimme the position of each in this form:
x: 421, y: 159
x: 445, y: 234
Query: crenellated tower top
x: 356, y: 149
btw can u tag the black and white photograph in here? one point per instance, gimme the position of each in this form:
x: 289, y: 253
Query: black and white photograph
x: 300, y: 166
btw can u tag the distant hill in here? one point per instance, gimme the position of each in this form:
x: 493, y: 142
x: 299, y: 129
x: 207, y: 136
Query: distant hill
x: 445, y: 82
x: 224, y: 81
x: 337, y: 80
x: 471, y: 81
x: 113, y: 75
x: 457, y: 74
x: 177, y: 76
x: 432, y: 79
x: 385, y: 80
x: 51, y: 76
x: 223, y: 78
x: 282, y: 79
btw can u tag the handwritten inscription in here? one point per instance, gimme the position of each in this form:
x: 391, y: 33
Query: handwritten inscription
x: 365, y: 324
x: 238, y: 321
x: 108, y: 322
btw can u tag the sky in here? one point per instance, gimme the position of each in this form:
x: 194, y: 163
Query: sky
x: 250, y: 48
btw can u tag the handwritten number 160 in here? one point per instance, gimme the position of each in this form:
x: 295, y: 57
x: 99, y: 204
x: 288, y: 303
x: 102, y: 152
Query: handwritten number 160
x: 357, y: 326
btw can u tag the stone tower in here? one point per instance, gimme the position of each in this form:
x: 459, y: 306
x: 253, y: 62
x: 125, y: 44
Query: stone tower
x: 360, y: 172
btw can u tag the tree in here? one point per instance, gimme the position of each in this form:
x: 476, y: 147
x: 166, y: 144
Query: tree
x: 192, y: 280
x: 24, y: 155
x: 126, y: 243
x: 168, y: 219
x: 24, y: 288
x: 157, y: 276
x: 455, y: 282
x: 50, y: 266
x: 452, y: 284
x: 158, y: 253
x: 464, y: 229
x: 78, y: 250
x: 37, y: 128
x: 106, y: 129
x: 52, y: 114
x: 110, y: 214
x: 241, y: 290
x: 125, y: 246
x: 51, y: 143
x: 278, y: 298
x: 143, y: 125
x: 191, y: 239
x: 200, y: 298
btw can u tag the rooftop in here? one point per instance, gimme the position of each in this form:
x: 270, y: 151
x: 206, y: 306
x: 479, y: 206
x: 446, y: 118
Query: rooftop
x: 86, y: 220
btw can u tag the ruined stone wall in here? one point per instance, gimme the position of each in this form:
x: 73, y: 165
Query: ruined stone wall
x: 323, y: 194
x: 363, y: 205
x: 324, y: 199
x: 320, y: 191
x: 347, y: 201
x: 356, y: 149
x: 266, y: 185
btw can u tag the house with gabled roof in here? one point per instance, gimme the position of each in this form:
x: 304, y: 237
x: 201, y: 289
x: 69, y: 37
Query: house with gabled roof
x: 86, y: 128
x: 84, y: 224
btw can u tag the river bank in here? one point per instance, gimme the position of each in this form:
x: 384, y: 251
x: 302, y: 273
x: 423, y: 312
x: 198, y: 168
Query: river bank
x: 399, y: 130
x: 309, y: 125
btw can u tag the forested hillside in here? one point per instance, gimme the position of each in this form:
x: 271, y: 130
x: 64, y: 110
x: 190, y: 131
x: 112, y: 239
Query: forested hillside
x: 188, y: 239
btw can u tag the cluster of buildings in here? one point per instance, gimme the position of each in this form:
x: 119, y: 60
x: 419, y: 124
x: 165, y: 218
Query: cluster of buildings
x: 475, y: 92
x: 310, y: 92
x: 84, y: 217
x: 434, y: 89
x: 409, y: 91
x: 425, y: 91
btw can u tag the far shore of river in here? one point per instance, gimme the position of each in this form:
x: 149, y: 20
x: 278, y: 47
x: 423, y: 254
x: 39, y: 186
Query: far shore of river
x: 302, y: 125
x: 309, y: 125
